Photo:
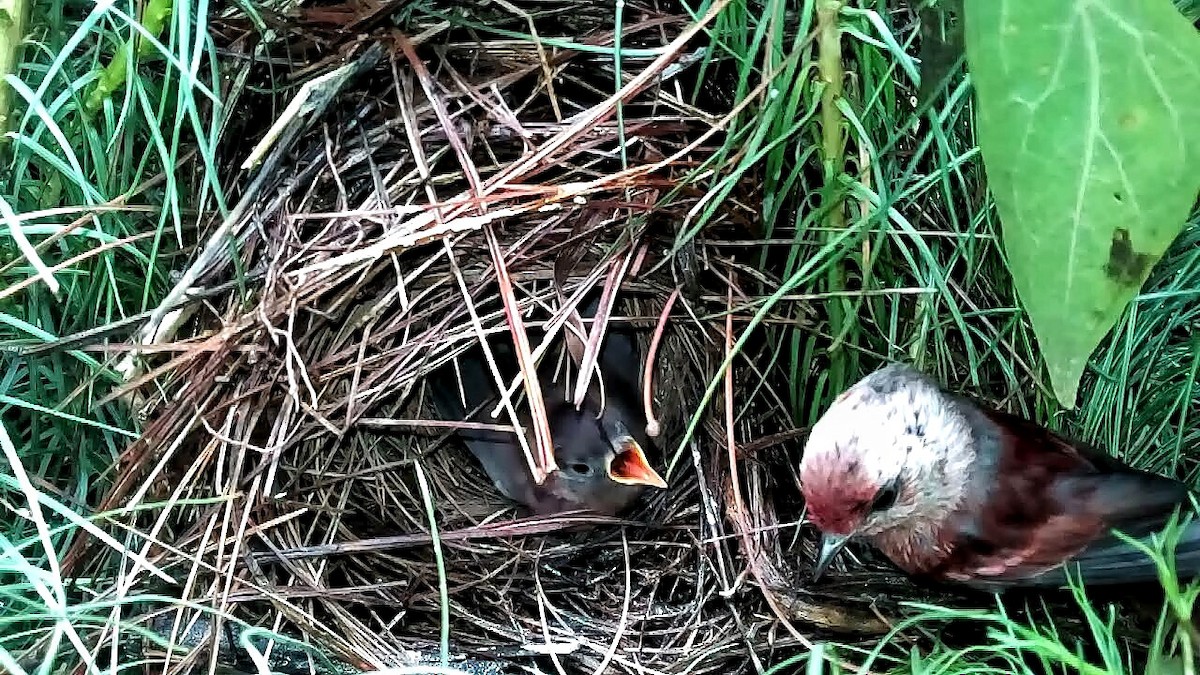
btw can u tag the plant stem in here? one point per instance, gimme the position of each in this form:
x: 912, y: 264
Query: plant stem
x: 833, y: 143
x: 154, y: 19
x: 12, y: 32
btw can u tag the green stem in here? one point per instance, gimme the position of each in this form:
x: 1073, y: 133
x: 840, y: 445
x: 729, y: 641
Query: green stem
x: 12, y: 33
x: 154, y: 19
x: 833, y: 145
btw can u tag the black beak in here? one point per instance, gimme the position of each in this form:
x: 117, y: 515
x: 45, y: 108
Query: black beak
x: 831, y: 545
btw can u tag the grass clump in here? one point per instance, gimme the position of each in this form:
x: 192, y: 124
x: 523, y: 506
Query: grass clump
x: 1037, y: 638
x: 103, y: 180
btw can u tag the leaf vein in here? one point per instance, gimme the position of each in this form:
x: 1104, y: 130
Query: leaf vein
x: 1089, y: 150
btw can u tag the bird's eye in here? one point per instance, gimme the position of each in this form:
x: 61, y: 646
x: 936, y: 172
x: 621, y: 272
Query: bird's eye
x: 884, y: 499
x: 580, y: 468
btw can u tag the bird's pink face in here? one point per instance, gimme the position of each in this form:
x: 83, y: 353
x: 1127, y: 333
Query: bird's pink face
x: 839, y: 495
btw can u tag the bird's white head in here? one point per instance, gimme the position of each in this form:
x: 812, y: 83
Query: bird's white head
x: 893, y: 451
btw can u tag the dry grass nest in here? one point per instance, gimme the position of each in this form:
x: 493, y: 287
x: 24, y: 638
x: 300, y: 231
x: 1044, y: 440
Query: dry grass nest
x: 431, y: 186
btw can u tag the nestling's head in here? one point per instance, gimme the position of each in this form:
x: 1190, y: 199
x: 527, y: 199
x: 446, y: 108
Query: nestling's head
x: 892, y: 451
x: 600, y: 463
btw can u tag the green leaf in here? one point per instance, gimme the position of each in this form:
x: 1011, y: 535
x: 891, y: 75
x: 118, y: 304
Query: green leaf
x: 1088, y: 116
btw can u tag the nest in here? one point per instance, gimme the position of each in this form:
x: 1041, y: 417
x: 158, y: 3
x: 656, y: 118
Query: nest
x: 431, y: 187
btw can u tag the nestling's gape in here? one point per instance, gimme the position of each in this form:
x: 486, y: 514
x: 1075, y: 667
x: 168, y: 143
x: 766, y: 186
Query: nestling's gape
x: 954, y: 491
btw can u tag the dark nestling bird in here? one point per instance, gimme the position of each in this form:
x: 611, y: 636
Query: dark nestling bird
x: 602, y: 465
x: 956, y: 492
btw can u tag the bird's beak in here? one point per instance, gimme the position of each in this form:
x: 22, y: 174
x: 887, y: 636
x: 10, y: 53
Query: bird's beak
x: 831, y: 545
x: 629, y: 466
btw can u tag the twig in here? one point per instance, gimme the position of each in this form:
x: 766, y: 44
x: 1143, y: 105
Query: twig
x: 653, y: 429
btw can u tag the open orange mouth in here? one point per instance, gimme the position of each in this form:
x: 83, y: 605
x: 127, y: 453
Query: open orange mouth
x: 629, y: 467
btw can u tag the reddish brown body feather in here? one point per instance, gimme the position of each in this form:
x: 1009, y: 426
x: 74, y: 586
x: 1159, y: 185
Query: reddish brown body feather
x: 1025, y: 526
x: 1046, y: 501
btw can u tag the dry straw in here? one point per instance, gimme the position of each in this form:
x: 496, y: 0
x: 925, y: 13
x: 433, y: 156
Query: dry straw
x: 426, y: 189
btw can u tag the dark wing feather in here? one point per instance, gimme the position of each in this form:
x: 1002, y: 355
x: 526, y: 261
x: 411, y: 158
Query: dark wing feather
x: 1047, y: 500
x: 498, y: 452
x: 619, y: 359
x: 1139, y: 505
x: 620, y: 363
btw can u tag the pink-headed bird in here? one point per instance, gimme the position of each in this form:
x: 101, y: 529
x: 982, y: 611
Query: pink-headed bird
x: 953, y: 491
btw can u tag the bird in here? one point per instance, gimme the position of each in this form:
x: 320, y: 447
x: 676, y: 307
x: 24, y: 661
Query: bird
x: 600, y: 450
x: 956, y: 492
